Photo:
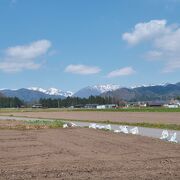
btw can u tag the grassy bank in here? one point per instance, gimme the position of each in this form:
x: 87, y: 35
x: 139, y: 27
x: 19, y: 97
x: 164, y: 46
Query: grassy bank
x: 45, y: 123
x: 30, y: 125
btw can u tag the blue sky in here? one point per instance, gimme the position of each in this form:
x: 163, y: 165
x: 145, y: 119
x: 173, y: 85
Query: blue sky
x: 70, y: 44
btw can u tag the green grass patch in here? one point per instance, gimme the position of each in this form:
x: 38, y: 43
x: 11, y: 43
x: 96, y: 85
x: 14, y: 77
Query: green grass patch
x: 30, y: 125
x: 45, y: 123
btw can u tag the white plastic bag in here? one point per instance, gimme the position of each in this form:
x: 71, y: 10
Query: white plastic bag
x: 117, y: 131
x: 98, y: 126
x: 101, y: 127
x: 108, y: 127
x: 73, y: 125
x: 164, y: 135
x: 173, y: 138
x: 123, y: 129
x: 65, y: 125
x: 69, y: 124
x: 92, y: 125
x: 134, y: 130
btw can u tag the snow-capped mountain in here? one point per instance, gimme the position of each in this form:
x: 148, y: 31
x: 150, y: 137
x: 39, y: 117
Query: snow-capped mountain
x: 34, y: 94
x: 106, y: 87
x: 149, y: 85
x: 140, y: 93
x: 95, y: 90
x: 57, y: 92
x: 37, y: 89
x: 146, y: 93
x: 52, y: 91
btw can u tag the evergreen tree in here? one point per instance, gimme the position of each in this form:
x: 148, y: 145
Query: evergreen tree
x: 10, y: 102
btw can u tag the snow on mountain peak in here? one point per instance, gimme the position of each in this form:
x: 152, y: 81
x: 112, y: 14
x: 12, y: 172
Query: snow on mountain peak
x: 149, y: 85
x: 106, y: 87
x: 52, y: 91
x: 37, y: 89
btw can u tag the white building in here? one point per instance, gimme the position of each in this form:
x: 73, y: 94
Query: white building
x: 107, y: 106
x: 101, y: 107
x: 171, y: 105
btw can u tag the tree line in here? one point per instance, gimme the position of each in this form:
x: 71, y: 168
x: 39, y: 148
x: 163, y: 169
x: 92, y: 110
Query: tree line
x: 10, y: 102
x: 75, y: 101
x: 14, y: 102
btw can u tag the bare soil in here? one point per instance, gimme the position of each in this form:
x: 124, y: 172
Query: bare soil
x: 82, y: 153
x: 131, y: 117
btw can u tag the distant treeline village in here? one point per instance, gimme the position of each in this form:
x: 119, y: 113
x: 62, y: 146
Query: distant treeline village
x: 9, y: 102
x: 93, y: 102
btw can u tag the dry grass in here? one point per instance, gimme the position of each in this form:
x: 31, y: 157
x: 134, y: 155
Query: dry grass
x: 30, y: 125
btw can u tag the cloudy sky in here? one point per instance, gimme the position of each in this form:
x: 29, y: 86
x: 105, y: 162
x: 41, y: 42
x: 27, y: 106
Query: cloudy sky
x: 70, y: 44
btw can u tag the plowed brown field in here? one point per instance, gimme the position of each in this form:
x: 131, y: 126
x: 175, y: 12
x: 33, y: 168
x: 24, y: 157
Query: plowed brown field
x: 148, y: 117
x: 81, y: 153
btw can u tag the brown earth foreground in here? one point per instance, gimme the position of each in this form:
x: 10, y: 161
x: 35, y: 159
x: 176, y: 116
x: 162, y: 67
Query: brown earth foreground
x: 82, y: 153
x: 131, y: 117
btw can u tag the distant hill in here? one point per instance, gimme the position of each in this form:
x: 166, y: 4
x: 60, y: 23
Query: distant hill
x: 28, y: 95
x: 156, y: 92
x: 1, y: 94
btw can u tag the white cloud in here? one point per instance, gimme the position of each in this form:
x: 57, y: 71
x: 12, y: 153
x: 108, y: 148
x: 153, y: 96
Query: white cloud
x: 126, y: 71
x: 23, y: 57
x: 15, y: 67
x: 169, y: 42
x: 164, y: 40
x: 30, y: 51
x: 82, y: 69
x: 144, y: 31
x: 169, y: 47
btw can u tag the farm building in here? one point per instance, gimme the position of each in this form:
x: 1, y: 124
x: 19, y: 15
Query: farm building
x: 91, y: 106
x: 37, y: 106
x: 171, y: 105
x: 155, y: 104
x: 107, y: 106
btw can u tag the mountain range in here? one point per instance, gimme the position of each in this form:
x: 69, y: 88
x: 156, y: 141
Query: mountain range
x: 140, y: 93
x: 28, y: 95
x: 146, y: 93
x: 35, y: 93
